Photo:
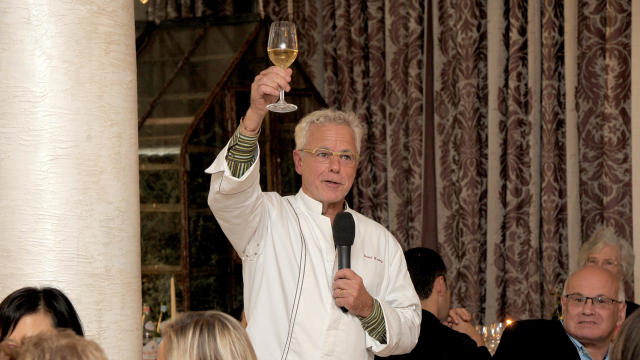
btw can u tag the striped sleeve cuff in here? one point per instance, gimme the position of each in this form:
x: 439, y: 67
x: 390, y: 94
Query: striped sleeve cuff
x: 241, y: 153
x: 374, y: 324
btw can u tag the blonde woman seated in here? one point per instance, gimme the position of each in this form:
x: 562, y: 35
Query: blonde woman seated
x: 607, y: 250
x: 211, y: 335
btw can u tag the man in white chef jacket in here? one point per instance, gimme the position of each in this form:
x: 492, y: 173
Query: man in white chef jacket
x: 293, y: 290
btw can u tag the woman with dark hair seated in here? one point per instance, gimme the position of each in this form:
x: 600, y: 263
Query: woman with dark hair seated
x: 30, y: 310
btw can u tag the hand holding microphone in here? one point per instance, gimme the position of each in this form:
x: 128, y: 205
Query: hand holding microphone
x: 348, y: 288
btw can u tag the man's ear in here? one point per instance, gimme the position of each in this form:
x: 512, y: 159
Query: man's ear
x: 622, y: 313
x: 440, y: 286
x: 297, y: 160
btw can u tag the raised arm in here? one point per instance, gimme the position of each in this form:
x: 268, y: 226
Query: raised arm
x: 234, y: 195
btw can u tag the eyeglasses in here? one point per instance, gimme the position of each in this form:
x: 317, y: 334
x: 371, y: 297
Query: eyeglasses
x: 605, y: 263
x: 347, y: 158
x: 578, y: 299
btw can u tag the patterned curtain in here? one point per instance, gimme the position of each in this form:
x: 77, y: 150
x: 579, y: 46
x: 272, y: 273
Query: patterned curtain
x: 532, y: 250
x: 501, y: 145
x: 604, y: 112
x: 505, y: 128
x: 554, y: 261
x: 367, y: 57
x: 461, y: 139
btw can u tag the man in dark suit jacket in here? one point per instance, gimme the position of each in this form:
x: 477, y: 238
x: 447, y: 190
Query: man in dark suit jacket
x: 523, y: 340
x: 438, y: 341
x: 592, y: 308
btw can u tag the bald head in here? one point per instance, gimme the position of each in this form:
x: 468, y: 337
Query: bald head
x: 598, y: 278
x: 590, y: 315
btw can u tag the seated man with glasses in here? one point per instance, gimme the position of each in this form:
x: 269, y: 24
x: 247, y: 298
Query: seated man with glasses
x: 293, y: 290
x: 592, y: 309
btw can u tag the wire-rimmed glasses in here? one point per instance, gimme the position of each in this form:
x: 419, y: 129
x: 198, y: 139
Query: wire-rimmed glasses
x: 347, y: 158
x: 600, y: 300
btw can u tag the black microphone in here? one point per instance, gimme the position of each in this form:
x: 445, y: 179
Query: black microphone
x: 344, y: 231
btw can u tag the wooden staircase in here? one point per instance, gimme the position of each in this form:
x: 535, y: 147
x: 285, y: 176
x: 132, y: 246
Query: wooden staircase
x: 179, y: 64
x: 194, y: 81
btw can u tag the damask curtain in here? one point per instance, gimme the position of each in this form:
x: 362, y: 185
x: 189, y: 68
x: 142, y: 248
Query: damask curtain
x: 531, y: 111
x: 530, y: 157
x: 460, y: 107
x: 604, y: 112
x: 507, y: 170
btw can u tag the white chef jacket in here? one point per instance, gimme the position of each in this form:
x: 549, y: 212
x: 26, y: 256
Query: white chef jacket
x: 289, y: 261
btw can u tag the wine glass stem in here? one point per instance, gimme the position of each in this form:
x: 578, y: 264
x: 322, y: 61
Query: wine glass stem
x: 281, y: 96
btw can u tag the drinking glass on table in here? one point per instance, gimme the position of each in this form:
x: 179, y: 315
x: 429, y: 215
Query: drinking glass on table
x: 283, y: 50
x: 492, y: 335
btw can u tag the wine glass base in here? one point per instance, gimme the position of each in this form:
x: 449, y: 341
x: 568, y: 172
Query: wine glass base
x: 282, y: 107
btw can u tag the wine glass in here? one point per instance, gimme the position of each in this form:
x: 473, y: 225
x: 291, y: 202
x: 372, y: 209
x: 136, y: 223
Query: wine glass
x: 283, y: 50
x: 494, y: 333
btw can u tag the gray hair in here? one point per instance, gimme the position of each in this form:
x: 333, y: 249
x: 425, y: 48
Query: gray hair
x: 329, y: 116
x: 602, y: 237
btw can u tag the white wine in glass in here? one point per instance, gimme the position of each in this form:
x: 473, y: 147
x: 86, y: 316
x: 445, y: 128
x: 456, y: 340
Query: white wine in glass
x: 283, y: 50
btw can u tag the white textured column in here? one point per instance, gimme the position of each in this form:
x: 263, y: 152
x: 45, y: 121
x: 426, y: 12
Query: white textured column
x: 69, y: 194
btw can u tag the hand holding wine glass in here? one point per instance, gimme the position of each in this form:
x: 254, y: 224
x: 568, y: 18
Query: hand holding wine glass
x: 283, y: 50
x: 265, y: 89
